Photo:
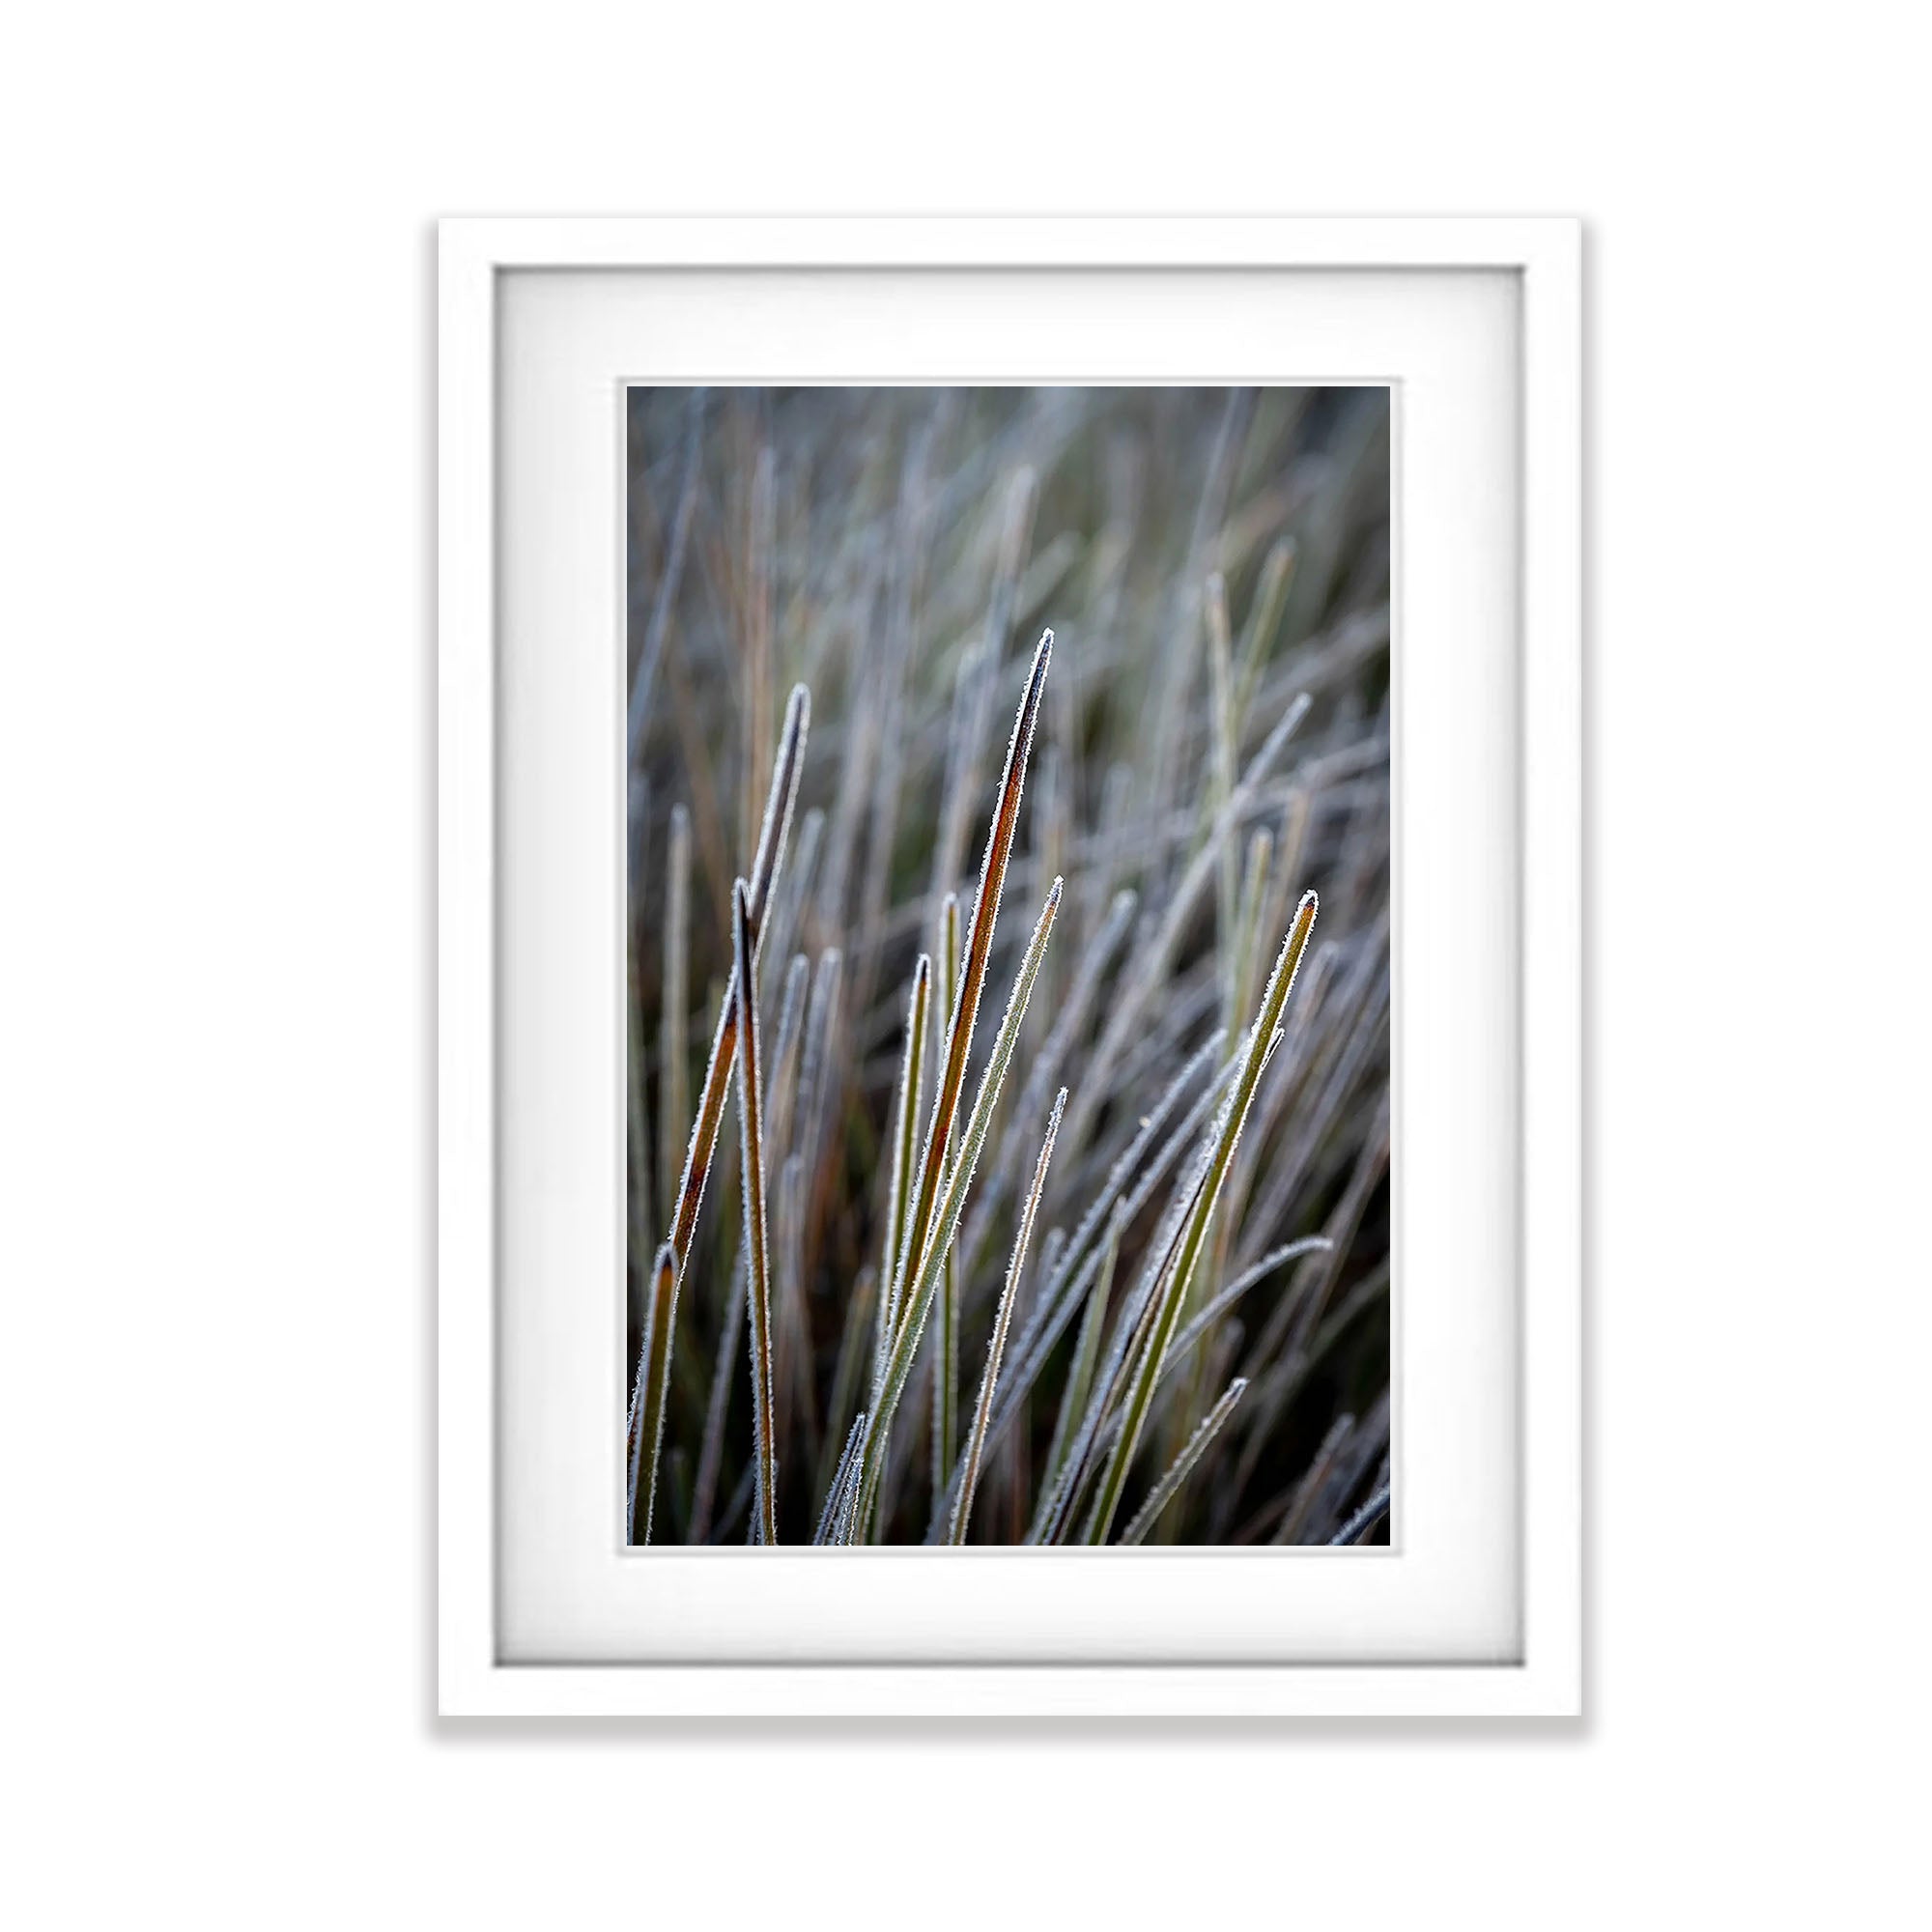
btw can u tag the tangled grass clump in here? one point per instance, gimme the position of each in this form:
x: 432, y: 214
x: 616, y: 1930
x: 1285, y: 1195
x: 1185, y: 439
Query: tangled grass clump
x: 1198, y: 1352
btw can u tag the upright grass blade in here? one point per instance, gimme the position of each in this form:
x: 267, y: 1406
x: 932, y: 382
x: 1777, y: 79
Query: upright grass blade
x: 834, y: 1494
x: 1220, y: 789
x: 1085, y: 1353
x: 946, y: 1324
x: 1056, y: 1510
x: 924, y: 1284
x: 1151, y: 961
x: 1263, y: 617
x: 972, y: 973
x: 674, y: 1037
x: 1182, y: 1348
x: 778, y: 803
x: 751, y: 1183
x: 1162, y: 1492
x: 1045, y: 1072
x: 982, y: 1412
x: 845, y: 1520
x: 1170, y: 1294
x: 1045, y: 1329
x: 919, y: 1009
x: 637, y: 1136
x: 653, y: 1383
x: 1117, y: 1204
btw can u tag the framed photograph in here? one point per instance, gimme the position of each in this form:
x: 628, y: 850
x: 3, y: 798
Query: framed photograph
x: 1009, y: 968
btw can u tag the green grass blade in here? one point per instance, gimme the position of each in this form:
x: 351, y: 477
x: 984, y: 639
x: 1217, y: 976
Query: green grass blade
x: 973, y: 974
x: 1220, y: 789
x: 1151, y: 964
x: 1171, y: 1295
x: 1214, y: 1310
x: 1129, y: 1339
x: 834, y: 1494
x: 919, y: 1294
x: 982, y: 1412
x: 674, y: 1032
x: 946, y: 1311
x: 751, y: 1181
x: 1086, y: 1356
x: 1044, y: 1074
x: 779, y: 802
x: 919, y: 1010
x: 1270, y: 599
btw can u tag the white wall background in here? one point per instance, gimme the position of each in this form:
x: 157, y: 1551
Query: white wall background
x: 215, y: 1032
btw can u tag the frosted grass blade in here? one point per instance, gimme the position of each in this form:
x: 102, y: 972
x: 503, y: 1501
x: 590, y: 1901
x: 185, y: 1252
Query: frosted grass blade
x: 945, y: 1310
x: 922, y: 1286
x: 654, y: 1384
x: 1220, y: 789
x: 973, y: 974
x: 1261, y: 1040
x: 983, y: 1409
x: 725, y: 1042
x: 1162, y: 1492
x: 1086, y: 1355
x: 828, y: 1515
x: 751, y: 1183
x: 674, y: 1037
x: 1152, y: 961
x: 919, y: 1009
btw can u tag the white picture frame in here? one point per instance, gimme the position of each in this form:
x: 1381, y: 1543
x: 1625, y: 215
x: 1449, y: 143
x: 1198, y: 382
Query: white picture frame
x: 1541, y: 1671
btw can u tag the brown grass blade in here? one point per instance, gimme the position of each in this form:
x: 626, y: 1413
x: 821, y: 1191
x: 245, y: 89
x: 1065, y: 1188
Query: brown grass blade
x: 979, y: 951
x: 653, y: 1384
x: 922, y: 1287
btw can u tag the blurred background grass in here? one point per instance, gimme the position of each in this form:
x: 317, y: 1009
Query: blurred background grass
x: 897, y: 551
